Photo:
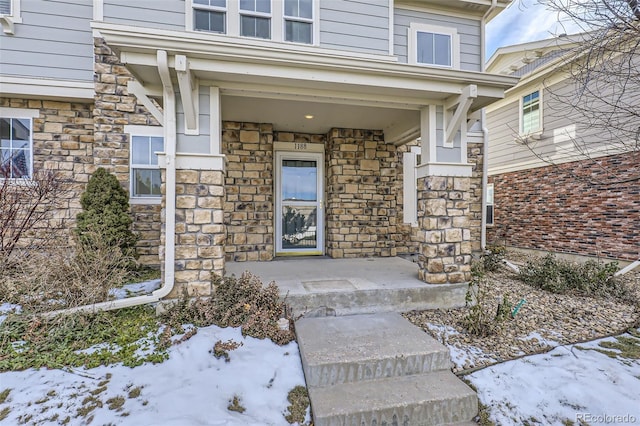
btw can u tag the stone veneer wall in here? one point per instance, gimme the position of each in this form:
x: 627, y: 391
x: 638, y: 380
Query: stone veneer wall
x: 249, y: 203
x: 200, y: 230
x: 576, y: 208
x: 114, y: 108
x: 475, y: 156
x: 361, y: 197
x: 443, y: 215
x: 62, y: 141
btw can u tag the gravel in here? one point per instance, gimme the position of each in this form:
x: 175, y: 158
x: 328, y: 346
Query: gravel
x: 544, y: 321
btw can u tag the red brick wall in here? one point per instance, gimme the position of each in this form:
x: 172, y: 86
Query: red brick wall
x: 589, y: 208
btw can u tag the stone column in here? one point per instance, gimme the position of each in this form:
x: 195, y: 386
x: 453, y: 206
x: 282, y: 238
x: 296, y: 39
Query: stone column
x: 200, y: 230
x: 443, y: 217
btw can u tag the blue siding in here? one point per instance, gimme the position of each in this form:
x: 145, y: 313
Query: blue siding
x: 356, y: 26
x: 53, y: 41
x: 161, y: 14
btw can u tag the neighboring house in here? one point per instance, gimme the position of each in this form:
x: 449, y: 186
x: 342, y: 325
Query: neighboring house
x: 251, y: 129
x: 557, y: 184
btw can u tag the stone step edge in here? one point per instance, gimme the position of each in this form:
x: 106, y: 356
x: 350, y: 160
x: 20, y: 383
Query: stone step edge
x: 444, y: 389
x: 372, y: 368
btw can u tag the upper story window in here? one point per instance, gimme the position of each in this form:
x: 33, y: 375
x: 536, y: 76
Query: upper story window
x: 298, y: 21
x: 16, y: 147
x: 434, y: 46
x: 530, y: 113
x: 255, y: 18
x: 5, y: 7
x: 145, y: 172
x: 210, y: 15
x: 9, y: 15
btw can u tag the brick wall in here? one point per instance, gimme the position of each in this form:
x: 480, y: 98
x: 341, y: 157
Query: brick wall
x: 578, y: 208
x: 249, y: 203
x: 114, y: 108
x: 361, y: 198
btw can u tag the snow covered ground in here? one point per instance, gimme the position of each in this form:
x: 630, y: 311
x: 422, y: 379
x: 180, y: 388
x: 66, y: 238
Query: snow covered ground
x: 191, y: 388
x: 575, y: 383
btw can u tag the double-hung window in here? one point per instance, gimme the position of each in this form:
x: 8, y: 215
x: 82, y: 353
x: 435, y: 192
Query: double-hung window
x: 530, y: 119
x: 298, y: 21
x: 16, y: 149
x: 255, y: 18
x: 145, y: 172
x: 210, y: 15
x: 434, y: 46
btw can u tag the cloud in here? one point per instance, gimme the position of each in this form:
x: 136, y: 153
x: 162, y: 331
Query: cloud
x: 524, y: 21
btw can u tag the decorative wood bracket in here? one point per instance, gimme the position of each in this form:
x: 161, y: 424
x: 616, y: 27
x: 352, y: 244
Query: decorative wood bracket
x: 189, y: 95
x: 140, y: 92
x: 463, y: 102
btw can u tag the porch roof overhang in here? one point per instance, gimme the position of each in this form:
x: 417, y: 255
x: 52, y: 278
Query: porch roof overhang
x: 248, y: 68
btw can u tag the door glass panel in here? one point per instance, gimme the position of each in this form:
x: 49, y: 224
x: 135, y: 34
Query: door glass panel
x: 299, y: 180
x: 299, y: 227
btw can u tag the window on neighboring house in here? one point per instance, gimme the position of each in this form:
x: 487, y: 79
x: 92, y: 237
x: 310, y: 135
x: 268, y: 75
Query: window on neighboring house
x: 530, y: 113
x: 15, y: 148
x: 489, y: 215
x: 255, y: 18
x: 433, y: 45
x: 298, y: 21
x: 145, y: 172
x: 210, y: 15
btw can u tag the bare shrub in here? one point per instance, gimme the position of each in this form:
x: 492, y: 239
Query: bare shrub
x: 25, y: 205
x: 237, y: 302
x: 65, y: 277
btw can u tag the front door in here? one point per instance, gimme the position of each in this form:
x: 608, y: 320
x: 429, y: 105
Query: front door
x: 299, y: 213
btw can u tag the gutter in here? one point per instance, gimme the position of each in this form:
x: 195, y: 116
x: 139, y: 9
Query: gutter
x: 170, y: 206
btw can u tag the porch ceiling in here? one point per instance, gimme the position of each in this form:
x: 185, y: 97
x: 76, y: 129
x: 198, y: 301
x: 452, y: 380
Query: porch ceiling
x: 289, y: 115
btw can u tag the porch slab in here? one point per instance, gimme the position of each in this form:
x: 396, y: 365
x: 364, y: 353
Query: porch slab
x: 320, y: 286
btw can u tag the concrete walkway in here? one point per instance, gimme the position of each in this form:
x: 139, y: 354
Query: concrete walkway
x: 323, y: 286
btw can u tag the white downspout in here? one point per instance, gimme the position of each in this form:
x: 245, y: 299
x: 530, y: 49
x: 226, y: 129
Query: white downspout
x: 170, y: 205
x: 485, y: 133
x: 170, y: 175
x: 485, y: 179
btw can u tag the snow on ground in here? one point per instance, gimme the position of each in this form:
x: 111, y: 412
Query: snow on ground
x: 135, y: 289
x: 6, y: 308
x: 191, y: 388
x: 571, y: 382
x: 461, y: 355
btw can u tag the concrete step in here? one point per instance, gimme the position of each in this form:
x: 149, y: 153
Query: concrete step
x: 357, y: 348
x: 436, y: 398
x: 341, y: 297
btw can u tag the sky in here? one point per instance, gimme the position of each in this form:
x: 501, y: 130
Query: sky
x: 524, y: 21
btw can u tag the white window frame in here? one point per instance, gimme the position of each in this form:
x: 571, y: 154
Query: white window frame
x: 232, y: 23
x: 410, y: 186
x: 256, y: 14
x: 312, y: 21
x: 143, y: 131
x: 190, y: 15
x: 14, y: 17
x: 490, y: 203
x: 412, y: 52
x: 533, y: 132
x: 23, y: 114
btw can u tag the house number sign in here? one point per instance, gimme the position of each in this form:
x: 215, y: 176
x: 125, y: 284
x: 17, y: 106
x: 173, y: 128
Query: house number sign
x: 300, y: 146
